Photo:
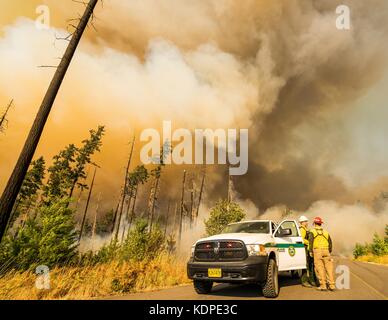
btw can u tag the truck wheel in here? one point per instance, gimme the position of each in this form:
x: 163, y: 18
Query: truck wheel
x: 271, y: 286
x: 203, y: 287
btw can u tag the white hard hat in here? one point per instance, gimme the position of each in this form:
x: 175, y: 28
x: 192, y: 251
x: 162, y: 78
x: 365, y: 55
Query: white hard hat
x: 303, y: 219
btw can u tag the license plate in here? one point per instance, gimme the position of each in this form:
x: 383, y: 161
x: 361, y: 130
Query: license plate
x: 214, y: 273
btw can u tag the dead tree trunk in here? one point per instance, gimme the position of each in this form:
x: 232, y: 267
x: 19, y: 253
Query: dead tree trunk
x: 200, y: 195
x: 95, y: 218
x: 154, y: 197
x: 14, y: 184
x: 123, y: 233
x: 182, y: 207
x: 229, y: 189
x: 128, y: 207
x: 175, y: 217
x: 87, y: 205
x: 125, y: 189
x: 133, y: 206
x: 126, y: 227
x: 80, y: 193
x: 192, y: 197
x: 115, y: 216
x: 167, y: 216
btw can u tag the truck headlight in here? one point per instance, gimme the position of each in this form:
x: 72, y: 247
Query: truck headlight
x: 256, y: 250
x: 192, y: 251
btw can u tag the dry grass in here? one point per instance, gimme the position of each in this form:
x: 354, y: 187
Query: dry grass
x: 113, y: 278
x: 374, y: 259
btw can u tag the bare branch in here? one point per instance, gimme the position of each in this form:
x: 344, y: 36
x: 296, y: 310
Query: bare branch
x: 47, y: 67
x: 3, y: 118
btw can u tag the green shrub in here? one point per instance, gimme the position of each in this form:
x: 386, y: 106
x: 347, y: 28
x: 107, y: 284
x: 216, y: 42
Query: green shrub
x: 360, y: 250
x: 378, y: 247
x: 222, y: 214
x: 141, y: 244
x: 49, y: 240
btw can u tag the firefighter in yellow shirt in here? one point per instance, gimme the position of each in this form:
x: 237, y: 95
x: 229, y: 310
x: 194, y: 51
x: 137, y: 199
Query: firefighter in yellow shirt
x: 320, y: 247
x: 308, y: 276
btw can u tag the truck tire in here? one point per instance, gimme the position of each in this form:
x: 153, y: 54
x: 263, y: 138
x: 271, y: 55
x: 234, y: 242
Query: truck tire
x: 203, y: 287
x: 271, y: 286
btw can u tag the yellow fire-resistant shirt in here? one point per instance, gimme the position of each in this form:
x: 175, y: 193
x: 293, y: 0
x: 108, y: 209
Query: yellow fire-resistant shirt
x: 304, y: 234
x: 319, y: 239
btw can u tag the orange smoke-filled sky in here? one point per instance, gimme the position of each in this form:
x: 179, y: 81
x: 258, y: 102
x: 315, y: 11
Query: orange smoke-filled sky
x: 209, y: 64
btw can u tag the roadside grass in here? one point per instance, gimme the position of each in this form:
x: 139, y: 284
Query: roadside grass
x: 88, y: 282
x: 373, y: 258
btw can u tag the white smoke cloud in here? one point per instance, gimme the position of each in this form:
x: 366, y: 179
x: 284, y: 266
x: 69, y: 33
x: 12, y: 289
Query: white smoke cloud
x: 216, y: 63
x: 347, y: 224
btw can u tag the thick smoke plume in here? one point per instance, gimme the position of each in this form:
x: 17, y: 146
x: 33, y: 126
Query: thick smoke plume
x: 279, y: 68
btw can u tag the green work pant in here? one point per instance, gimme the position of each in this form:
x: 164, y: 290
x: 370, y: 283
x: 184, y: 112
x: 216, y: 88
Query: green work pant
x: 308, y: 275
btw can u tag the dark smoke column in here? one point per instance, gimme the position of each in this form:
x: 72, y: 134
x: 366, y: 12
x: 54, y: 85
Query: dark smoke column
x: 12, y: 188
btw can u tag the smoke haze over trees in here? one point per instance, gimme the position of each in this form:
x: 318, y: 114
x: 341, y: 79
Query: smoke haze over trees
x: 313, y: 97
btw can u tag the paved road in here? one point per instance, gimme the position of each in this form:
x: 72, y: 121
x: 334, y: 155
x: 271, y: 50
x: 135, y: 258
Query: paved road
x: 367, y: 282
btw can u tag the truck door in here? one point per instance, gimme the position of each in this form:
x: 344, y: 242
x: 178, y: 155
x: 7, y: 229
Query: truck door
x: 290, y: 247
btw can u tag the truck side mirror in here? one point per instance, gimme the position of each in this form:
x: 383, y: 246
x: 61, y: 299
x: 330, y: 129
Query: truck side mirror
x: 284, y: 232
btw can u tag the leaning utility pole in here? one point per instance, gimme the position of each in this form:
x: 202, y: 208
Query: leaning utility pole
x: 14, y: 184
x: 87, y: 205
x: 182, y: 206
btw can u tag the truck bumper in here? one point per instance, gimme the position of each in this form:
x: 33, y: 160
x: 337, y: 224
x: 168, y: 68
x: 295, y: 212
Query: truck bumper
x: 252, y: 269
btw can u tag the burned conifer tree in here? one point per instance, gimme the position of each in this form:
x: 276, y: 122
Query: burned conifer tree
x: 15, y: 181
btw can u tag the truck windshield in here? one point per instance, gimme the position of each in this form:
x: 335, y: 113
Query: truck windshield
x: 248, y: 227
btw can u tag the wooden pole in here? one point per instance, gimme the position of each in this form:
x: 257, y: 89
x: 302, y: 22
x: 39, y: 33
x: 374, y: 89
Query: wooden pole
x: 87, y: 205
x: 16, y: 179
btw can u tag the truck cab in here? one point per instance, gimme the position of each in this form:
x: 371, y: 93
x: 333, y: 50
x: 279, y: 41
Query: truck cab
x: 247, y: 252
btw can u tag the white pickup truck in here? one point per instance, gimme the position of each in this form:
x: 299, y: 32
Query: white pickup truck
x: 248, y: 252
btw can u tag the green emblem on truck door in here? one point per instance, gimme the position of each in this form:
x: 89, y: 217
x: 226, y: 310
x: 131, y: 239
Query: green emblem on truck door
x: 291, y: 251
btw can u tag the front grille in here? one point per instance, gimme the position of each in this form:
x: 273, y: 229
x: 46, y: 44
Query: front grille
x: 222, y: 250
